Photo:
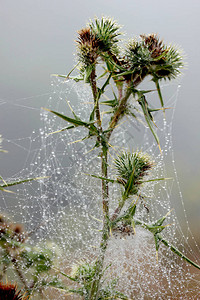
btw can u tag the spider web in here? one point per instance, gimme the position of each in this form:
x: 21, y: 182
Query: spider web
x: 65, y: 206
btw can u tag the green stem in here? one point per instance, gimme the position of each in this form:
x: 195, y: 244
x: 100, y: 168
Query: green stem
x: 170, y: 246
x: 104, y: 171
x: 104, y: 153
x: 176, y: 251
x: 99, y: 264
x: 105, y: 235
x: 160, y: 95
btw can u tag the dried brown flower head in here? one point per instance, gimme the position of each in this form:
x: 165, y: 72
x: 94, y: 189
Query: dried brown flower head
x: 18, y: 228
x: 85, y: 36
x: 9, y: 291
x: 88, y: 46
x: 2, y: 219
x: 18, y: 232
x: 4, y: 225
x: 166, y: 60
x: 153, y: 44
x: 11, y: 230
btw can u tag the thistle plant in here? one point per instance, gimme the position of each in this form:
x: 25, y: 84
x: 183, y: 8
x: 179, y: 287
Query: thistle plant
x: 105, y: 66
x: 28, y: 262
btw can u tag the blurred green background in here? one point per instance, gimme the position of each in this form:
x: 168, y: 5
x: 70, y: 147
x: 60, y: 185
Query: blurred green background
x: 37, y: 39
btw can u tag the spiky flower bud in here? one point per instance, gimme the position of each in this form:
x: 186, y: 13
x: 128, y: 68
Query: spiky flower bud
x: 131, y: 169
x: 153, y: 44
x: 138, y: 60
x: 106, y: 31
x: 83, y: 272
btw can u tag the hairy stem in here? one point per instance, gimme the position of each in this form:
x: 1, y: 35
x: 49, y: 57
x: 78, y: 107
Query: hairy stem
x: 104, y: 172
x: 119, y: 112
x: 95, y: 96
x: 105, y: 235
x: 104, y: 153
x: 94, y: 292
x: 105, y: 203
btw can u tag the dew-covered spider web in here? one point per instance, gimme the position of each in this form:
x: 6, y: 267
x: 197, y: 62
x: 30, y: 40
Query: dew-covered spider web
x: 65, y: 206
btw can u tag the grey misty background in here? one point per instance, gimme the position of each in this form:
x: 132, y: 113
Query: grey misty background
x: 37, y: 40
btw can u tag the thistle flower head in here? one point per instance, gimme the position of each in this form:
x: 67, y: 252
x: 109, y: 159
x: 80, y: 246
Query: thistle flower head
x: 132, y: 167
x: 153, y: 44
